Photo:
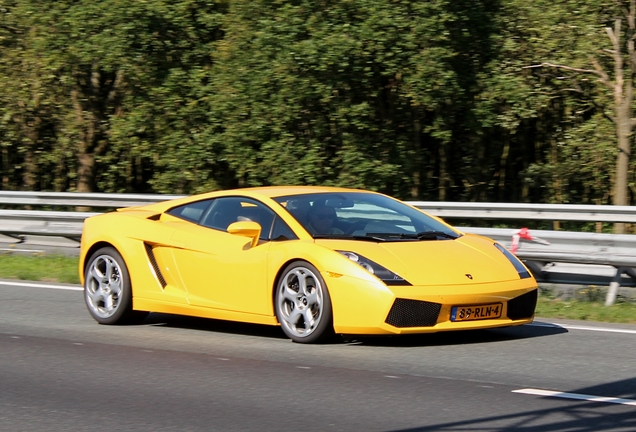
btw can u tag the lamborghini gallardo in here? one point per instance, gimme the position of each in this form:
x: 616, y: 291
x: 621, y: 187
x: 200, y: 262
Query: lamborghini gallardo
x: 316, y: 261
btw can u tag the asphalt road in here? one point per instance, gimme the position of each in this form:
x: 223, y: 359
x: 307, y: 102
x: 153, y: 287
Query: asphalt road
x: 59, y: 370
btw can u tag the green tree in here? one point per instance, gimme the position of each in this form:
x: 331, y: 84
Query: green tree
x: 28, y: 108
x: 340, y: 93
x: 423, y: 100
x: 163, y: 139
x: 605, y: 52
x: 97, y: 89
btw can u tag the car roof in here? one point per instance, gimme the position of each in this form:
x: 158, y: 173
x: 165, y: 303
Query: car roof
x: 278, y: 191
x: 254, y: 192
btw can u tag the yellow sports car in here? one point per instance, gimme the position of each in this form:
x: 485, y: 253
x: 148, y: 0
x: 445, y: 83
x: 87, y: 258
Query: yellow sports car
x: 314, y: 260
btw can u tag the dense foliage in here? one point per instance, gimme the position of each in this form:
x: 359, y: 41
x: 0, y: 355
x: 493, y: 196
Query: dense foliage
x: 435, y: 100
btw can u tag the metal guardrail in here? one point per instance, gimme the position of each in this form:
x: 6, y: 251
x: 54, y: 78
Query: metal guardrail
x: 553, y: 212
x: 591, y: 249
x: 617, y: 250
x: 557, y: 212
x: 78, y: 199
x: 614, y: 250
x: 18, y: 223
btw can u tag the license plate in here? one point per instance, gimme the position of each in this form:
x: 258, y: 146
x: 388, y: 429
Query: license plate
x: 471, y: 313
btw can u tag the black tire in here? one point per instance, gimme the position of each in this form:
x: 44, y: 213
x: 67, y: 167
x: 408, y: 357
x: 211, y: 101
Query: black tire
x: 302, y: 304
x: 107, y: 289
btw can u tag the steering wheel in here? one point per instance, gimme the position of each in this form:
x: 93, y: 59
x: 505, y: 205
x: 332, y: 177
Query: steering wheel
x: 359, y: 225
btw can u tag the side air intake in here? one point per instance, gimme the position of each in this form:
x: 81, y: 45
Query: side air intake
x: 155, y: 266
x: 413, y: 313
x: 523, y: 306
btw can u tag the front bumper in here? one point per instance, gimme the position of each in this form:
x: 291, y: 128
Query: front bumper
x: 363, y: 309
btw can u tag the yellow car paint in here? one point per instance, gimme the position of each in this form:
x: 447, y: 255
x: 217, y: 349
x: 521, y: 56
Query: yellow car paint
x: 217, y: 274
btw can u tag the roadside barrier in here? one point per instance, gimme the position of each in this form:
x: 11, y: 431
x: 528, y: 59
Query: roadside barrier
x: 538, y: 249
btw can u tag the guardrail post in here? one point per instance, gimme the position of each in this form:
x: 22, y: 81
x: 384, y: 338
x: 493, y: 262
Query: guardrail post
x: 613, y: 289
x: 616, y: 283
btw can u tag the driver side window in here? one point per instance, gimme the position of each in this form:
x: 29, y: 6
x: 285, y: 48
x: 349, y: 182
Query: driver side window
x: 227, y: 210
x: 191, y: 212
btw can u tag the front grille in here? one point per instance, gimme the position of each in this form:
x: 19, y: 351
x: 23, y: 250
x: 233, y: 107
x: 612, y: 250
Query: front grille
x: 155, y: 266
x: 413, y: 313
x: 523, y: 306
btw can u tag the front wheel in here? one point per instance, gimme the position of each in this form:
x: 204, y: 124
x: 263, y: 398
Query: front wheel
x: 107, y: 289
x: 303, y: 305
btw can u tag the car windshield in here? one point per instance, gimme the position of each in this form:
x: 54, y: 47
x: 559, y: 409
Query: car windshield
x: 363, y: 216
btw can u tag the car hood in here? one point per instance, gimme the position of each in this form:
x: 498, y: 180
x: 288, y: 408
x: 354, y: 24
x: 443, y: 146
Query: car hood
x: 470, y: 258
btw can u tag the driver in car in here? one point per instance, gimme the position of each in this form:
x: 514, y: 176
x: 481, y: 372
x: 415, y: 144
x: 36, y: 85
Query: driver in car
x: 321, y: 219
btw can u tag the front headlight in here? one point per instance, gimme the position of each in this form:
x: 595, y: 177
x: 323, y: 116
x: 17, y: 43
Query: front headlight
x: 521, y: 269
x: 382, y: 273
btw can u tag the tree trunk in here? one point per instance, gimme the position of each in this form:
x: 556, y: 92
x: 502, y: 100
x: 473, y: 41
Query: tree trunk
x: 85, y: 172
x: 503, y: 162
x: 443, y: 173
x: 94, y: 97
x: 620, y: 197
x: 623, y: 95
x: 5, y: 168
x: 32, y: 132
x: 85, y: 157
x: 417, y: 143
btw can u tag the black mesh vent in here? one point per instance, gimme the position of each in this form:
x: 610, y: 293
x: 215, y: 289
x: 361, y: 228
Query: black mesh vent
x: 523, y: 306
x: 413, y: 313
x: 155, y: 266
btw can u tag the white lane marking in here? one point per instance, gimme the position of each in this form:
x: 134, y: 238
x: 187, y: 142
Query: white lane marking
x: 22, y: 250
x: 36, y: 285
x: 585, y: 328
x: 601, y: 329
x: 303, y: 367
x: 577, y: 396
x: 391, y: 376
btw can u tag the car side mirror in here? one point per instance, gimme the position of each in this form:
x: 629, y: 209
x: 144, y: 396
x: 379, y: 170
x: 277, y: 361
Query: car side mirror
x: 246, y: 229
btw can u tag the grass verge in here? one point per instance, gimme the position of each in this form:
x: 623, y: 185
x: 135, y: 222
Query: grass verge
x: 621, y: 312
x: 46, y: 268
x: 586, y: 303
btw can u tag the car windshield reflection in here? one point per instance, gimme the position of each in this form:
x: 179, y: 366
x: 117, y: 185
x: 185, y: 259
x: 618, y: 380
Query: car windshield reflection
x: 363, y: 216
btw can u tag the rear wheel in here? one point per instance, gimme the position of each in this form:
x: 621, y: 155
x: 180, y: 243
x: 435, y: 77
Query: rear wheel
x: 107, y: 289
x: 303, y: 305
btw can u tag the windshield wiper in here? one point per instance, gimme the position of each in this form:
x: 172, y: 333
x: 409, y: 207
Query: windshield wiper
x: 383, y: 237
x: 424, y: 235
x: 411, y: 236
x: 433, y: 235
x: 349, y: 237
